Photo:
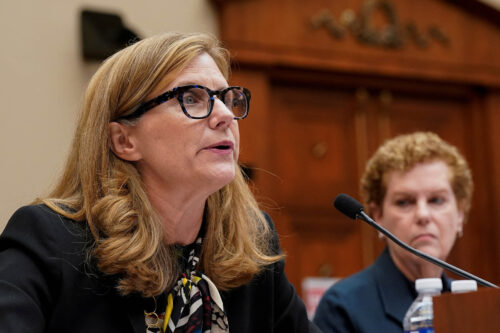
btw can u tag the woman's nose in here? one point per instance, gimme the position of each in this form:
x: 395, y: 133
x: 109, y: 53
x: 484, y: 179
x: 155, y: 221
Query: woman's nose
x: 422, y: 212
x: 221, y: 115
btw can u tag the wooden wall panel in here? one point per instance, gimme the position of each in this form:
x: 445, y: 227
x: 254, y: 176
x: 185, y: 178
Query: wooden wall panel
x: 314, y: 158
x: 281, y: 32
x: 313, y: 143
x: 491, y: 175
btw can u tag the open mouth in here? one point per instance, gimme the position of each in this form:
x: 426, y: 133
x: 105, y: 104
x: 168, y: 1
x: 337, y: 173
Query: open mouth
x: 222, y: 147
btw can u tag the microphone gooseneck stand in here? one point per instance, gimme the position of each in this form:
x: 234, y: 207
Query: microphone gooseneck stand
x: 353, y: 209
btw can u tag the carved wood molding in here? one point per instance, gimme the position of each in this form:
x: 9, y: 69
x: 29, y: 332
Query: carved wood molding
x: 394, y: 34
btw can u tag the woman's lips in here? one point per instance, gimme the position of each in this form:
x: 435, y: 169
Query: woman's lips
x: 221, y: 148
x: 423, y: 238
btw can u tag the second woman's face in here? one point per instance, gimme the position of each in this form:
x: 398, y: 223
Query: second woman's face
x: 420, y: 209
x: 197, y: 156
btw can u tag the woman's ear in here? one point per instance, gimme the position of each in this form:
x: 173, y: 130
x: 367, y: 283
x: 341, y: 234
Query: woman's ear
x: 375, y: 211
x: 122, y: 143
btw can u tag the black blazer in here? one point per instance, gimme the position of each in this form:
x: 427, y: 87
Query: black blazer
x: 373, y: 300
x: 45, y: 286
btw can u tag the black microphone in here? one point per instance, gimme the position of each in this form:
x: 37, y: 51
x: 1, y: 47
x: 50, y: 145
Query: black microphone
x: 353, y: 209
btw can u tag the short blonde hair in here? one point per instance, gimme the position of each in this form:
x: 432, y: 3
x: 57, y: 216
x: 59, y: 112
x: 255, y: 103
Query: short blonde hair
x: 107, y: 192
x: 405, y: 151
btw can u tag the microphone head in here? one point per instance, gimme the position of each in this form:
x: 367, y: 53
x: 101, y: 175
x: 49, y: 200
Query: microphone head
x: 347, y: 205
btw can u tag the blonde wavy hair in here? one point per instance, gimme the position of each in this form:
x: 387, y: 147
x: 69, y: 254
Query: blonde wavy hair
x: 405, y: 151
x: 107, y: 193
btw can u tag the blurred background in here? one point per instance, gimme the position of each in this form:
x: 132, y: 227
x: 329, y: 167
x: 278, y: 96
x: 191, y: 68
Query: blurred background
x: 331, y: 80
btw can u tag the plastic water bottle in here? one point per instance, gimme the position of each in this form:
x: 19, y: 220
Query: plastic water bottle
x: 420, y: 315
x: 463, y: 286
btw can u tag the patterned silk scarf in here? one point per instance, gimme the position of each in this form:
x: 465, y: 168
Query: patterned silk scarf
x: 193, y: 305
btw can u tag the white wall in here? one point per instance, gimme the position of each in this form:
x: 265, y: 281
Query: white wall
x: 43, y: 76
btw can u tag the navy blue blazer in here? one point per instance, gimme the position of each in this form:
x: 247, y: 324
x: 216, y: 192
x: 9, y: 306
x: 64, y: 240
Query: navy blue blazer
x: 45, y: 286
x: 373, y: 300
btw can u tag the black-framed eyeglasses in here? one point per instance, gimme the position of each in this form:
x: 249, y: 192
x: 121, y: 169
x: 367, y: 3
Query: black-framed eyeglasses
x: 197, y: 101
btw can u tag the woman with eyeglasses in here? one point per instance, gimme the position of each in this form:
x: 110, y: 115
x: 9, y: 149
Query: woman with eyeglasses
x: 151, y: 227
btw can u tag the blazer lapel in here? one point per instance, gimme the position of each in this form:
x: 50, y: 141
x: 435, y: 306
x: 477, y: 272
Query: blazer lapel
x: 394, y: 288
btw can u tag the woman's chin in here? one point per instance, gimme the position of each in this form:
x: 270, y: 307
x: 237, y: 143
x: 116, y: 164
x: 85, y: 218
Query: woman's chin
x: 431, y: 250
x: 221, y: 178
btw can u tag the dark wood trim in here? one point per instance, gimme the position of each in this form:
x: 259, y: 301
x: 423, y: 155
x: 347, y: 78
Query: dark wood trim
x: 480, y: 9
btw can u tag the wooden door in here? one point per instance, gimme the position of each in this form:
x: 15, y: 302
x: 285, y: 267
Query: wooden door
x: 315, y: 158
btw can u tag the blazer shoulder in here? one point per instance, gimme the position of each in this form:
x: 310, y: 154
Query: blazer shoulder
x: 274, y: 237
x: 39, y: 227
x: 356, y: 283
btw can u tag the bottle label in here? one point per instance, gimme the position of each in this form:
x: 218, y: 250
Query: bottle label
x: 421, y: 330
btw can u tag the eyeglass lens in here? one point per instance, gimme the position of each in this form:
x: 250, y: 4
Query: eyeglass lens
x: 197, y: 103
